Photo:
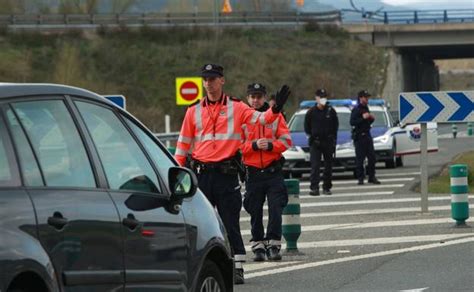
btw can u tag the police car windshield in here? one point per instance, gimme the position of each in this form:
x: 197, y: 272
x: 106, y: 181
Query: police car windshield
x: 380, y: 119
x: 297, y: 123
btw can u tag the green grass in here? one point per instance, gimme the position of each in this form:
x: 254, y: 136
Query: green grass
x: 143, y: 64
x: 441, y: 183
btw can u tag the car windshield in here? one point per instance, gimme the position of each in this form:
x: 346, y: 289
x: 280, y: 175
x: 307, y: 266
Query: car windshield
x: 380, y: 119
x: 297, y: 122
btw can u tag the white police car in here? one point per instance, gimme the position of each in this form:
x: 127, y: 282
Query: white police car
x: 391, y: 141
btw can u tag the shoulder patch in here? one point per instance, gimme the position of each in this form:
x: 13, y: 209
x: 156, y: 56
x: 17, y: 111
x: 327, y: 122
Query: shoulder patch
x: 194, y: 103
x: 236, y: 99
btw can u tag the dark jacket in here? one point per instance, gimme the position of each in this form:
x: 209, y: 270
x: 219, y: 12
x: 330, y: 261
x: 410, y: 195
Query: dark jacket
x: 321, y: 124
x: 359, y: 124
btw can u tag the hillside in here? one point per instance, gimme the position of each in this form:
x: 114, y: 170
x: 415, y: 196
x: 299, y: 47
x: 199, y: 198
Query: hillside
x: 143, y: 65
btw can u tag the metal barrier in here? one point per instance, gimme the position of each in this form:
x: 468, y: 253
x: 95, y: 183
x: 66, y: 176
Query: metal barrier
x: 415, y: 16
x: 165, y: 19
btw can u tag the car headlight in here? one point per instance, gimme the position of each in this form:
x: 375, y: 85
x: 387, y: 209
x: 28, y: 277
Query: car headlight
x: 348, y: 145
x: 382, y: 139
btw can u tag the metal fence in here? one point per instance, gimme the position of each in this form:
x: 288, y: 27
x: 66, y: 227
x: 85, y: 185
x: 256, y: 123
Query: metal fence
x: 417, y: 16
x: 166, y: 19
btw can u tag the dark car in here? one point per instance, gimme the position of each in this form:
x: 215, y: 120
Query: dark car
x: 91, y: 201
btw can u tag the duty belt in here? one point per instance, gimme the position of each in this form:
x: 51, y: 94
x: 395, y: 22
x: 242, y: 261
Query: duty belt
x: 225, y: 166
x: 274, y: 167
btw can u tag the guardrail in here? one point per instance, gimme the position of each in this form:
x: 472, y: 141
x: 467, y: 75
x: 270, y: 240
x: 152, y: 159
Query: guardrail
x: 165, y: 19
x: 418, y: 16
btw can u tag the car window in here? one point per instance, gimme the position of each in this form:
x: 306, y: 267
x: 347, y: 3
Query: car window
x: 5, y: 166
x: 29, y: 166
x: 297, y: 123
x: 125, y: 164
x: 162, y: 161
x: 56, y: 142
x: 380, y: 119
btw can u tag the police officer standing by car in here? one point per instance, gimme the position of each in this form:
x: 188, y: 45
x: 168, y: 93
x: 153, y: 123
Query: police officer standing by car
x: 361, y: 121
x: 262, y: 156
x: 321, y: 125
x: 213, y: 127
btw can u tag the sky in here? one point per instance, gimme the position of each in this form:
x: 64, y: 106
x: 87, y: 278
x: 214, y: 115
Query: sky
x: 444, y: 4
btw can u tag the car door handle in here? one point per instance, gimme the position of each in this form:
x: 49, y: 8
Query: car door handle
x: 57, y: 220
x: 130, y: 222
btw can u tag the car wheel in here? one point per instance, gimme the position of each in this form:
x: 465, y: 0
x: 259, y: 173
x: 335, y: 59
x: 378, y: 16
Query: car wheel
x: 392, y: 161
x: 210, y: 278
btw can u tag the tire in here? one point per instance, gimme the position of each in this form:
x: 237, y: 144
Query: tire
x: 399, y: 161
x: 210, y: 278
x: 392, y: 162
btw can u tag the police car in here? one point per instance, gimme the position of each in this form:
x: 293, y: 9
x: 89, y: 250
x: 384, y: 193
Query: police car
x: 391, y: 141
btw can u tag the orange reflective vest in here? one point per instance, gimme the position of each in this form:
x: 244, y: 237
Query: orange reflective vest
x: 276, y: 132
x: 215, y: 129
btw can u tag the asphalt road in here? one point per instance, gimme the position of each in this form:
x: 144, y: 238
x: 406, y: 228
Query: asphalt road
x: 374, y: 237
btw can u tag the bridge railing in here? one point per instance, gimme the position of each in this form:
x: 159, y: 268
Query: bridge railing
x: 156, y: 19
x: 421, y: 16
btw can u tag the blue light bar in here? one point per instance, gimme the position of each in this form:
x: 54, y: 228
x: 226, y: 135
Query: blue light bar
x: 376, y: 101
x: 332, y: 102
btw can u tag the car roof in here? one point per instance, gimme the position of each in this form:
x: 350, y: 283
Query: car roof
x: 8, y: 90
x: 344, y: 109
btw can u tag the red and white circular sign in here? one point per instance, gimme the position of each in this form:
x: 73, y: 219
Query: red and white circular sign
x: 189, y: 90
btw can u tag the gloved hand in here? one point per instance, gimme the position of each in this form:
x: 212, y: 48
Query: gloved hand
x: 280, y: 98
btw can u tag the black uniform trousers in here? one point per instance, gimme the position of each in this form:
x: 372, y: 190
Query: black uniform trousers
x: 364, y: 147
x: 223, y: 191
x: 260, y: 186
x: 325, y: 149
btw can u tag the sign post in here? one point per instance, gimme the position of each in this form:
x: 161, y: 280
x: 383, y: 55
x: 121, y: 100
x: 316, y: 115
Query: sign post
x: 440, y: 107
x: 188, y: 90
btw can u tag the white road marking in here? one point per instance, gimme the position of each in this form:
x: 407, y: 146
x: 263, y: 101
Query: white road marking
x: 416, y: 289
x: 354, y: 181
x: 297, y: 267
x: 361, y: 187
x: 343, y: 195
x: 254, y: 266
x: 363, y: 212
x: 355, y: 225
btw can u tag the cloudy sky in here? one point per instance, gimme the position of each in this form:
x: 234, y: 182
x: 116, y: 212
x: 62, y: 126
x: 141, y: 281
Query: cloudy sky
x: 466, y: 4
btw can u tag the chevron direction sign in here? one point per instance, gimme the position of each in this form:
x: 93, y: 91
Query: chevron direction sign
x: 437, y: 106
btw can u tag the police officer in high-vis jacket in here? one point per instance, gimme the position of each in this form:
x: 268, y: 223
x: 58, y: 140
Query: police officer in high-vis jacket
x: 262, y: 156
x: 321, y: 125
x: 213, y: 128
x: 361, y: 122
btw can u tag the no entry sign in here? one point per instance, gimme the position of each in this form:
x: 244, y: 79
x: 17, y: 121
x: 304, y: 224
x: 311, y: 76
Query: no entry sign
x: 188, y: 90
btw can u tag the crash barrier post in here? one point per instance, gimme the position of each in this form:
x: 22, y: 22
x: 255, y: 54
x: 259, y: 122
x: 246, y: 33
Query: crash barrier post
x: 469, y: 128
x: 459, y: 194
x: 291, y: 226
x: 172, y: 150
x: 454, y: 129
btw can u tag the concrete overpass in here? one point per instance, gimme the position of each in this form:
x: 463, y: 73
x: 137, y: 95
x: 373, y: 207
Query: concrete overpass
x: 413, y: 49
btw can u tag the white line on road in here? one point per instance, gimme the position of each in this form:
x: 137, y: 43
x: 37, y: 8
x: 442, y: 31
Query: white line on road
x: 355, y: 225
x: 362, y: 187
x: 372, y: 241
x: 253, y: 266
x: 343, y: 195
x: 297, y: 267
x: 363, y: 212
x: 354, y: 181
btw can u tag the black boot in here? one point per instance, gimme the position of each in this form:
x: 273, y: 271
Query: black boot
x: 259, y: 255
x: 273, y: 253
x: 239, y: 276
x: 374, y: 181
x: 314, y: 192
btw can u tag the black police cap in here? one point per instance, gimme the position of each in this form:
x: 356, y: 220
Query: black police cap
x: 254, y: 88
x: 212, y: 70
x: 321, y: 92
x: 363, y: 93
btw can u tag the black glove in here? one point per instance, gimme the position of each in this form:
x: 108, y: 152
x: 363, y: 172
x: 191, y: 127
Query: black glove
x: 280, y: 98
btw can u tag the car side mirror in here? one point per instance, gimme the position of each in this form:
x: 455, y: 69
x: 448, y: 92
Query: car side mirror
x: 182, y: 183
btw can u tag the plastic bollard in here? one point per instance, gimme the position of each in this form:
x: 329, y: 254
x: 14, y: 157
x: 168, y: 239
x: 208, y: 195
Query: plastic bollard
x: 459, y: 194
x: 291, y: 226
x: 454, y: 128
x: 469, y: 128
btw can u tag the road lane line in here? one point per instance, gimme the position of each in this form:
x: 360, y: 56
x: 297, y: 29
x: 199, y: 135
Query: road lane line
x: 362, y: 225
x: 362, y: 187
x: 254, y: 266
x: 362, y: 212
x: 297, y: 267
x: 354, y: 181
x: 373, y: 241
